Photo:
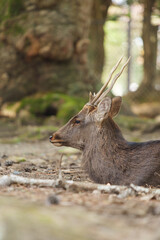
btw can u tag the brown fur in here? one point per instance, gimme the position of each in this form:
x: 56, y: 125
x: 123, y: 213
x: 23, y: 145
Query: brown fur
x: 107, y: 156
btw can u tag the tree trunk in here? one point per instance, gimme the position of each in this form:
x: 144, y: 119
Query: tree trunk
x: 43, y: 47
x: 96, y: 48
x: 129, y: 47
x: 150, y: 45
x: 146, y: 90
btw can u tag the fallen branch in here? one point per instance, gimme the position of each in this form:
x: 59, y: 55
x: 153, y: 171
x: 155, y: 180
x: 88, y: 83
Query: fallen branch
x: 121, y: 191
x: 12, y: 179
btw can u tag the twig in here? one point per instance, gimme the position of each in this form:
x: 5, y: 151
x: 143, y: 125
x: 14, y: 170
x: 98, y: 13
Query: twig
x: 11, y: 179
x: 59, y: 168
x: 71, y: 171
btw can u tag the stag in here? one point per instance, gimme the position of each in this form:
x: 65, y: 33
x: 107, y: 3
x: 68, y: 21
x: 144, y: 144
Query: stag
x: 107, y: 157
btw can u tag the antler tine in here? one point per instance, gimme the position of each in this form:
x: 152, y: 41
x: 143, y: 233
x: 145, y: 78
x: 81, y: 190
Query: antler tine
x: 107, y: 82
x: 113, y: 81
x: 90, y: 97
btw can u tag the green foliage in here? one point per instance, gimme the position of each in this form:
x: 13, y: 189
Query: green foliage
x: 66, y: 106
x: 130, y: 2
x: 113, y: 17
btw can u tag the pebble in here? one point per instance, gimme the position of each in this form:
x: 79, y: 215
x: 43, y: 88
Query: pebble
x: 154, y: 210
x: 8, y: 163
x: 96, y: 192
x: 16, y: 172
x: 43, y: 166
x: 27, y: 169
x: 52, y: 199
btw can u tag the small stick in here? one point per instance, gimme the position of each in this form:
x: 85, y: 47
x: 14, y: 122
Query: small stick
x: 59, y: 168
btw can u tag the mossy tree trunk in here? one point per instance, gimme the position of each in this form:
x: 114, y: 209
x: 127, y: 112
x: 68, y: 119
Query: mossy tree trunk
x: 44, y: 47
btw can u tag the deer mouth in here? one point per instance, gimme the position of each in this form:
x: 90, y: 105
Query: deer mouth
x: 57, y: 143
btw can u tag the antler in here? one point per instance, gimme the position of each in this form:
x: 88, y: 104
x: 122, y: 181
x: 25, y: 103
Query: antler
x: 93, y: 100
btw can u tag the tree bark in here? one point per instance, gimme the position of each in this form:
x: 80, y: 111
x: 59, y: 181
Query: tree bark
x: 44, y: 47
x: 146, y: 90
x: 96, y: 48
x: 150, y: 45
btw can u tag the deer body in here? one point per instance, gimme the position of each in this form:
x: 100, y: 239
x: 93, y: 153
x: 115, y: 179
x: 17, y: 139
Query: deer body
x: 111, y: 159
x: 107, y: 156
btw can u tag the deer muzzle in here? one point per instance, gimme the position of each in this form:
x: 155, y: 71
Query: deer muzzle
x: 56, y: 140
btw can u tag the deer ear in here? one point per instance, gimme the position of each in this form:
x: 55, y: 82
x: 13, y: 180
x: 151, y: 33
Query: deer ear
x: 115, y: 106
x: 103, y: 108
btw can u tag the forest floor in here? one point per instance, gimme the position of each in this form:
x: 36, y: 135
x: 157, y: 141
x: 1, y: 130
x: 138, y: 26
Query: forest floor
x: 36, y: 212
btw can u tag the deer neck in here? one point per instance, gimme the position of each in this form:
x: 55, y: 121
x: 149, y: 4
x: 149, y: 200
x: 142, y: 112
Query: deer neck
x: 112, y: 133
x: 101, y: 152
x: 105, y: 138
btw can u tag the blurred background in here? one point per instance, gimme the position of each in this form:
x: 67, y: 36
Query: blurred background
x: 53, y: 52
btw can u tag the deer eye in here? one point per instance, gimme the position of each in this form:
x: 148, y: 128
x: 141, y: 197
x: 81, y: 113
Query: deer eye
x: 77, y: 121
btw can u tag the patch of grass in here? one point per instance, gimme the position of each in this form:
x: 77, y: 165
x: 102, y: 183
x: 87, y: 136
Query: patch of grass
x: 37, y: 133
x: 10, y: 140
x: 21, y: 160
x: 30, y: 134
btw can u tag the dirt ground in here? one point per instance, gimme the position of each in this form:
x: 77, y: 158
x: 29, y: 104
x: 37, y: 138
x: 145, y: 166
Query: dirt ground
x: 92, y: 214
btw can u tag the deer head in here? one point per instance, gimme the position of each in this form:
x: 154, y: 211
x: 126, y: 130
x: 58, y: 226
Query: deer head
x: 91, y: 118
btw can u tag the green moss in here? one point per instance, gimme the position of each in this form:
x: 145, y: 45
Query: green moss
x: 10, y: 8
x: 66, y: 106
x: 15, y: 7
x: 69, y: 109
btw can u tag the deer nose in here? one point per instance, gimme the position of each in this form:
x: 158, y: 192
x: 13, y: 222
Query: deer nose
x: 55, y: 136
